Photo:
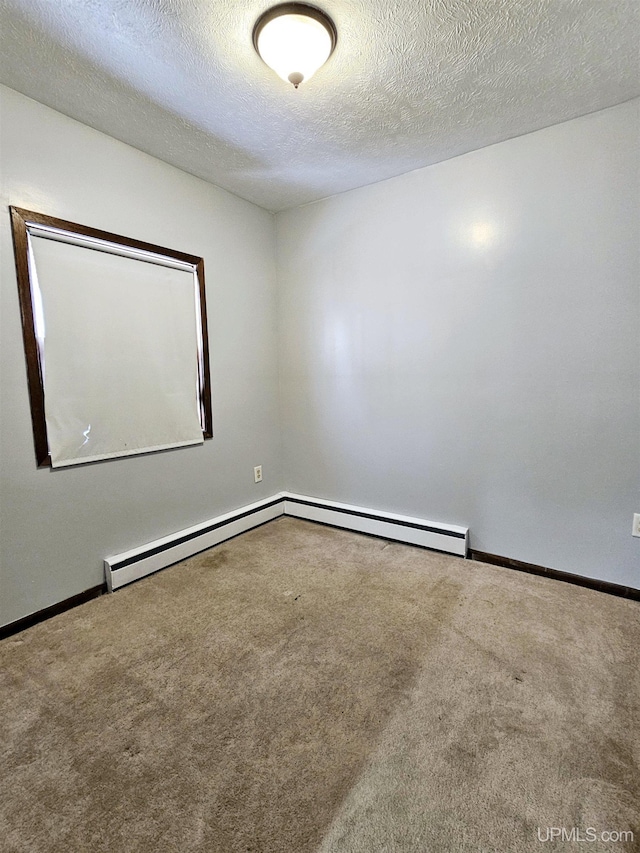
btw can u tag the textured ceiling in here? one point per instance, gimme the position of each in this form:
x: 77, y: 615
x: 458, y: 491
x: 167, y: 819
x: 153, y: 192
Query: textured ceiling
x: 410, y: 83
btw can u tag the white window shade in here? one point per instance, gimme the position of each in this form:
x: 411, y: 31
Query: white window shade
x: 118, y: 342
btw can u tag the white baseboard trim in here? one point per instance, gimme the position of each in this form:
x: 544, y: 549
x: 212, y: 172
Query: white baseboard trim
x: 123, y: 569
x: 387, y: 525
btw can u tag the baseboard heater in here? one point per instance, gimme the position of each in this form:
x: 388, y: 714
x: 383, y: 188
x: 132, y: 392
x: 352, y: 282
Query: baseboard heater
x: 130, y: 566
x: 135, y: 564
x: 386, y: 525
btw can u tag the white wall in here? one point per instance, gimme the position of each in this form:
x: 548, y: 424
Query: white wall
x: 462, y: 343
x: 58, y: 525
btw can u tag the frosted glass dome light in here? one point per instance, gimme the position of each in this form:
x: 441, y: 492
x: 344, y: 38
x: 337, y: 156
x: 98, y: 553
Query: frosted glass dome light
x: 294, y: 39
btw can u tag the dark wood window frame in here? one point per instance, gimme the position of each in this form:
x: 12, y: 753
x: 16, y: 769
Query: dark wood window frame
x: 21, y: 220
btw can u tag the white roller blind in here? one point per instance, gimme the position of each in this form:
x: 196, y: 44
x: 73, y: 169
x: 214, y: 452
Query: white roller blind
x: 119, y: 346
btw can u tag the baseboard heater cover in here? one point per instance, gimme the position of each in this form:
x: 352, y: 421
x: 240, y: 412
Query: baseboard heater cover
x: 123, y: 569
x: 449, y: 538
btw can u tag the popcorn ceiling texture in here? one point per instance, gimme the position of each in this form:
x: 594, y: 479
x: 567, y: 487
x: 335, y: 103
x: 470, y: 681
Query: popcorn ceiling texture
x: 410, y: 83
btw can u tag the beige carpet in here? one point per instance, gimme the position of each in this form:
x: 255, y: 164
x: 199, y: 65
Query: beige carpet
x: 304, y: 689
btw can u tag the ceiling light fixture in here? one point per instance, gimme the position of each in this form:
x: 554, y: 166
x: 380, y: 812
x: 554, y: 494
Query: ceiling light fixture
x: 294, y: 39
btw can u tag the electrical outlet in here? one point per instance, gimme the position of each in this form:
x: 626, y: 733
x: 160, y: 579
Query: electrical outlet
x: 257, y: 473
x: 636, y: 524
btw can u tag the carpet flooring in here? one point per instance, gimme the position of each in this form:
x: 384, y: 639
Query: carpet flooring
x: 301, y: 689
